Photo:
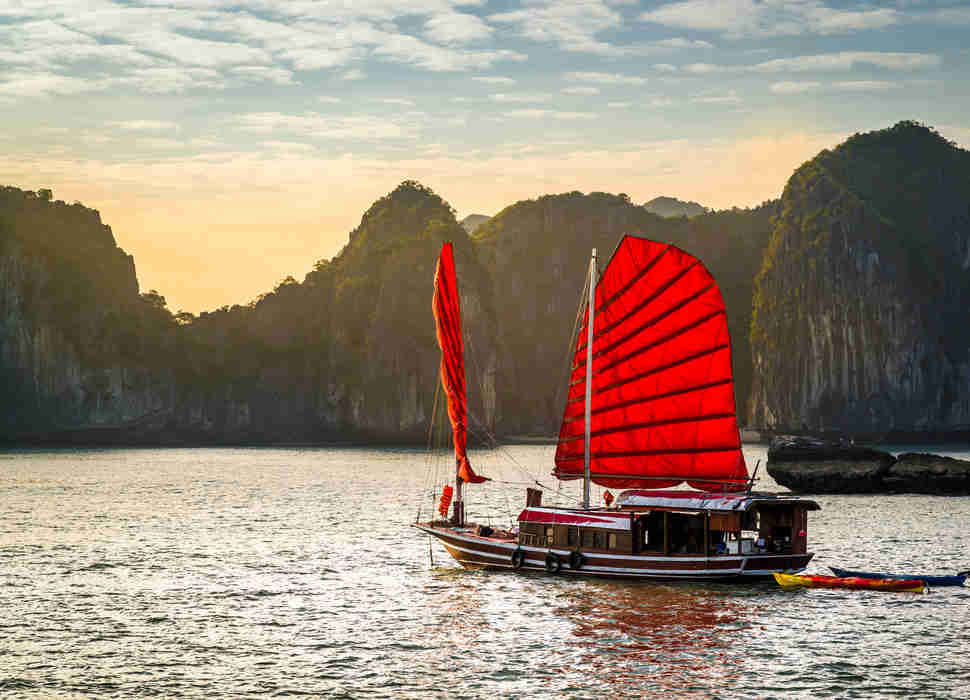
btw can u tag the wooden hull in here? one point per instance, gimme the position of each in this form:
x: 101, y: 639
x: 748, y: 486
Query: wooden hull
x: 475, y: 552
x: 853, y: 582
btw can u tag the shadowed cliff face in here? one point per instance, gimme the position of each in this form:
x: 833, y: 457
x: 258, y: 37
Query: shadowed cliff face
x: 860, y: 319
x: 537, y: 253
x: 350, y: 352
x: 77, y: 343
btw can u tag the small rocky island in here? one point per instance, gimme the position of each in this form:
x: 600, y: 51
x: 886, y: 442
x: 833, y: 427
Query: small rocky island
x: 808, y: 465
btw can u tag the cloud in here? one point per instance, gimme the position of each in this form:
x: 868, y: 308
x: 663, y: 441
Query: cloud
x: 404, y: 48
x: 789, y: 87
x: 327, y: 99
x: 42, y: 84
x: 548, y: 114
x: 828, y: 62
x: 328, y: 127
x: 146, y: 125
x: 403, y: 101
x: 665, y: 67
x: 865, y: 85
x: 581, y: 90
x: 456, y: 27
x: 353, y: 74
x: 725, y: 99
x: 171, y: 79
x: 572, y: 24
x: 618, y: 105
x: 494, y: 80
x: 737, y: 18
x: 269, y: 74
x: 604, y: 78
x: 512, y: 97
x: 847, y: 60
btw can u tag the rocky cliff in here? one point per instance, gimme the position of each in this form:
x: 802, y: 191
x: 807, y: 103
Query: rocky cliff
x: 349, y: 353
x: 860, y: 311
x: 537, y: 253
x: 78, y: 344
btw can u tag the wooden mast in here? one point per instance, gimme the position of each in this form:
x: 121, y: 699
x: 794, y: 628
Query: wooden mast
x: 589, y: 374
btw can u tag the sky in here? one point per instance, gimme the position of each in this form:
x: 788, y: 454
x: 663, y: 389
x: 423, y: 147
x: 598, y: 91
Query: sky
x: 230, y: 143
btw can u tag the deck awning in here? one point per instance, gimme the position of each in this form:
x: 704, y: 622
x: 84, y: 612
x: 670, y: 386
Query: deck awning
x: 701, y: 500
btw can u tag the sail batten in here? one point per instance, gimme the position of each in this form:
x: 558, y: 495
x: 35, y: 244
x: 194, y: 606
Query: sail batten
x: 447, y: 316
x: 662, y: 407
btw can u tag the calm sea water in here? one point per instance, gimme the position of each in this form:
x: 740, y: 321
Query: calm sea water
x: 273, y: 572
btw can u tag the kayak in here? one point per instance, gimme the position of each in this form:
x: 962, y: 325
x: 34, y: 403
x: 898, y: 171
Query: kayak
x: 955, y: 580
x: 859, y: 582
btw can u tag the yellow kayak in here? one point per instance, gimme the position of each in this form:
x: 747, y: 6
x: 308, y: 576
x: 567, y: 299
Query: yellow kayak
x: 857, y: 582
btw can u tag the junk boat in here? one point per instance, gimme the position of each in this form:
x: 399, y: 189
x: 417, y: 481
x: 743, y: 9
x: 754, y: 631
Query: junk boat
x: 650, y: 410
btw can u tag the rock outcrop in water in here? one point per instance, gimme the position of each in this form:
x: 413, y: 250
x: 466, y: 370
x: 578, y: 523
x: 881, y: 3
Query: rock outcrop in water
x: 806, y: 465
x: 860, y: 310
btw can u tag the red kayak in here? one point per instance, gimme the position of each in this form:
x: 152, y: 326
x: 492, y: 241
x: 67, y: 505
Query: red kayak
x: 873, y: 584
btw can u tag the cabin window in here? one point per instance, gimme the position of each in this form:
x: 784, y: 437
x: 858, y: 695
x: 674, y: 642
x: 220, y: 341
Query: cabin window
x: 597, y: 540
x: 611, y: 541
x: 549, y: 537
x: 572, y: 536
x: 686, y: 533
x: 652, y: 526
x: 587, y: 538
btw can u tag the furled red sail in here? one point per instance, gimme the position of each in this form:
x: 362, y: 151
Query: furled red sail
x: 447, y: 317
x: 662, y: 392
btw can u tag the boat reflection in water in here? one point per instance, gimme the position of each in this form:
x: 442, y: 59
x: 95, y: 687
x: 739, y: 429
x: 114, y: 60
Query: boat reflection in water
x: 646, y: 640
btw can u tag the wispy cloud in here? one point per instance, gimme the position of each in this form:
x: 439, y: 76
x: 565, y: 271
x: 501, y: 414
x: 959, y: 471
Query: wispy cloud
x: 494, y: 79
x: 523, y: 97
x: 548, y: 114
x: 791, y: 87
x: 865, y: 85
x: 146, y: 125
x: 847, y: 60
x: 327, y: 127
x: 604, y: 78
x: 717, y: 99
x: 736, y: 18
x: 581, y: 90
x: 841, y: 61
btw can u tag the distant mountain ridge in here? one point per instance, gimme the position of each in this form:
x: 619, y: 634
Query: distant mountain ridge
x: 846, y: 305
x: 471, y: 222
x: 671, y: 206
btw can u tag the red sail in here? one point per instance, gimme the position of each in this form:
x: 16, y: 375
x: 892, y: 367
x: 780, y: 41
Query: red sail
x: 447, y: 317
x: 663, y: 394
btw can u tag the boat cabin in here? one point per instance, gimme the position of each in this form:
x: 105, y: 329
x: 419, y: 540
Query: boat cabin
x: 675, y: 523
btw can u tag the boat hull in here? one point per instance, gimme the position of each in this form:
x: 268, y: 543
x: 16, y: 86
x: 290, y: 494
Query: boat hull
x: 957, y: 580
x: 852, y: 582
x: 476, y: 552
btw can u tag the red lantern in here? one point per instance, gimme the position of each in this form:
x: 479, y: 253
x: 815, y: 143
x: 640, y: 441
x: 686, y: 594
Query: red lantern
x: 445, y: 500
x: 608, y: 497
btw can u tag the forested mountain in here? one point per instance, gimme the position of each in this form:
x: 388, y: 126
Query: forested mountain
x: 859, y: 314
x: 538, y: 252
x: 861, y: 310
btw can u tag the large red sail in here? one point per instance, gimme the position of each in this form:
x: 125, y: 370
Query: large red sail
x: 662, y: 392
x: 447, y: 317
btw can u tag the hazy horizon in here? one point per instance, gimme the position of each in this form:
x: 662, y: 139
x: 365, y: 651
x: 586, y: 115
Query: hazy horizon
x: 232, y: 143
